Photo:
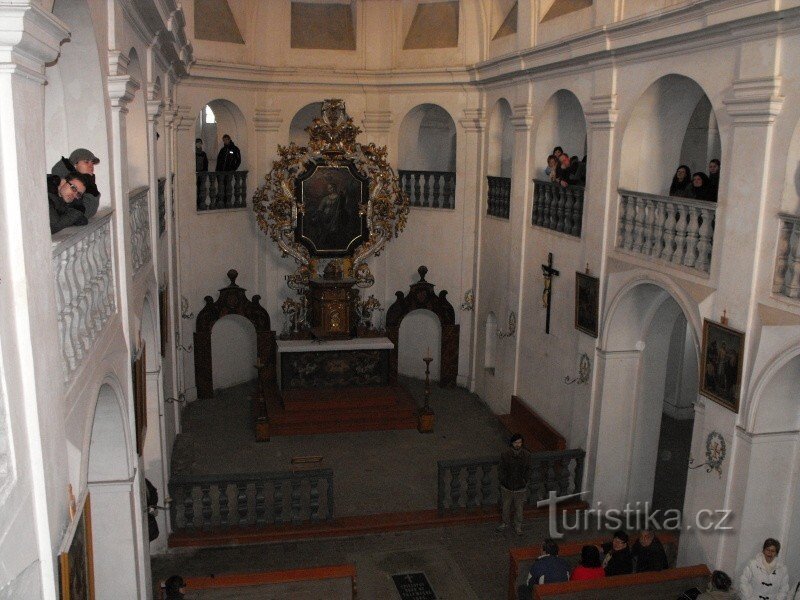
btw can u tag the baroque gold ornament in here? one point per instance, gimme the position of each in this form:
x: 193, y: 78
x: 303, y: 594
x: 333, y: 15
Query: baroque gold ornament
x: 332, y: 144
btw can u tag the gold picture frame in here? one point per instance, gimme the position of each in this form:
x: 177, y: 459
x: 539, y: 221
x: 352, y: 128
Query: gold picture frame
x: 75, y: 563
x: 721, y: 364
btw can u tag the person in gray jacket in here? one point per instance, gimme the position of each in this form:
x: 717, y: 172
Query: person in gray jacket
x: 81, y: 161
x: 64, y: 197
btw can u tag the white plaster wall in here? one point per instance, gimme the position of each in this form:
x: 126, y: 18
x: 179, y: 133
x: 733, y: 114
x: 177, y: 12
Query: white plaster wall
x: 233, y: 351
x: 420, y: 336
x: 561, y: 123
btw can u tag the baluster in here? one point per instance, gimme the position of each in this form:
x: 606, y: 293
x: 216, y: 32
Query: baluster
x: 455, y: 487
x: 237, y: 190
x: 313, y: 504
x: 188, y: 506
x: 241, y: 502
x: 224, y: 508
x: 669, y: 231
x: 556, y: 204
x: 657, y: 240
x: 630, y: 221
x: 638, y: 226
x: 201, y: 179
x: 560, y: 209
x: 680, y: 235
x: 535, y: 207
x: 569, y: 201
x: 692, y: 235
x: 577, y: 212
x: 487, y: 489
x: 72, y: 309
x: 205, y: 501
x: 418, y: 201
x: 277, y: 502
x: 781, y: 257
x: 405, y: 182
x: 243, y: 188
x: 507, y: 198
x: 229, y: 185
x: 176, y: 517
x: 296, y: 500
x: 472, y: 486
x: 426, y: 190
x: 451, y: 190
x: 261, y: 504
x: 436, y: 201
x: 793, y: 272
x: 211, y: 198
x: 649, y: 225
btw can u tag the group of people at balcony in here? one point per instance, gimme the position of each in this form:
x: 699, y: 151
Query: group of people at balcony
x: 565, y: 170
x: 72, y: 192
x: 228, y: 159
x: 698, y: 186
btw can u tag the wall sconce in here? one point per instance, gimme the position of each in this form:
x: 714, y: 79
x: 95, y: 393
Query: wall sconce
x: 185, y: 314
x: 469, y: 300
x: 584, y: 371
x: 512, y: 326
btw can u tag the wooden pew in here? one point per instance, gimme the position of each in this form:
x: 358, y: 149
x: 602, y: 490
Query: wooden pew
x: 520, y: 558
x: 656, y: 585
x: 539, y: 434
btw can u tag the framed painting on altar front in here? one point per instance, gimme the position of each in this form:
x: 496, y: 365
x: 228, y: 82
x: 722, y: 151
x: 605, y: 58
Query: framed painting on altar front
x: 721, y: 364
x: 75, y: 561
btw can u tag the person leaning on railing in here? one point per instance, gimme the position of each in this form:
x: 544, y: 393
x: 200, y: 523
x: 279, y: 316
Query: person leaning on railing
x: 81, y: 161
x: 65, y: 196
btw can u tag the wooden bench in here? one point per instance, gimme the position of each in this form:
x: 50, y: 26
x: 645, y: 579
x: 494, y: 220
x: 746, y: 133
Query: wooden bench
x: 276, y: 581
x: 538, y: 433
x: 656, y: 585
x: 521, y: 558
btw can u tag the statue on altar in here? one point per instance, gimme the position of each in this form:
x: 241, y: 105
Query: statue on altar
x: 331, y: 204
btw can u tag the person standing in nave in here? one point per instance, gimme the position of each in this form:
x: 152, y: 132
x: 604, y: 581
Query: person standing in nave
x: 648, y: 551
x: 81, y: 161
x: 229, y: 157
x: 515, y: 469
x: 765, y: 577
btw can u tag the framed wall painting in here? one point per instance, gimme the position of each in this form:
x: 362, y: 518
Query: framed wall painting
x: 587, y: 303
x: 721, y: 364
x: 140, y: 397
x: 76, y: 568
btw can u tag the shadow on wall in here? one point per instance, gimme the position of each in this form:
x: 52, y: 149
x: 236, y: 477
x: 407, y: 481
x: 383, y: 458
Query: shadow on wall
x: 233, y: 351
x: 420, y: 333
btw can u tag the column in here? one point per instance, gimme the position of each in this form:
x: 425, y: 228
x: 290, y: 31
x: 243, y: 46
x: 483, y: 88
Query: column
x: 154, y: 106
x: 470, y: 190
x: 35, y: 477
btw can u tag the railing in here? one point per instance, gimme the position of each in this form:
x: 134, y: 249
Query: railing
x: 499, y: 197
x: 84, y: 283
x: 429, y: 189
x: 140, y: 227
x: 786, y: 281
x: 473, y: 483
x: 218, y: 190
x: 162, y: 206
x: 678, y: 231
x: 557, y: 208
x: 250, y: 500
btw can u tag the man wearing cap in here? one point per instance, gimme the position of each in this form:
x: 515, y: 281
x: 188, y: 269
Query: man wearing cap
x: 515, y: 470
x: 81, y: 161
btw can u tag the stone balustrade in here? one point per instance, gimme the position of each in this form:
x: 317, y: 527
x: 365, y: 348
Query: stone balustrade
x: 473, y: 483
x: 429, y: 189
x: 162, y: 206
x: 218, y: 190
x: 206, y: 502
x: 139, y: 213
x: 84, y: 284
x: 786, y: 281
x: 558, y: 208
x: 677, y: 231
x: 499, y: 197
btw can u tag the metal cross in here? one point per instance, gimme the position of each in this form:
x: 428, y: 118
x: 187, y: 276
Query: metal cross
x: 548, y: 272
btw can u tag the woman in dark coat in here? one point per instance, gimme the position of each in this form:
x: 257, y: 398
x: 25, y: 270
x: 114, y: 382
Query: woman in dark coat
x: 681, y: 183
x: 701, y: 187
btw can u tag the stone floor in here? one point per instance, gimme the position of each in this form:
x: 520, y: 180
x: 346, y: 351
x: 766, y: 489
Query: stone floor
x: 374, y: 472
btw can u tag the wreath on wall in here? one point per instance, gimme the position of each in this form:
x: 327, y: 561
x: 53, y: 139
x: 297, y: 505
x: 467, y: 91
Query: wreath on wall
x: 332, y: 140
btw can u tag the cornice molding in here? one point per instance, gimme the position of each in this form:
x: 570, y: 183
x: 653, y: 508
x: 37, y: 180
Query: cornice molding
x: 603, y: 112
x: 474, y: 120
x: 29, y: 39
x: 755, y: 101
x: 267, y: 119
x: 121, y: 89
x: 377, y: 121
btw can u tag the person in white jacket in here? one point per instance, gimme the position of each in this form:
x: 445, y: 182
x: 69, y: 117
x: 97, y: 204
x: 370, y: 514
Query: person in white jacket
x: 765, y: 577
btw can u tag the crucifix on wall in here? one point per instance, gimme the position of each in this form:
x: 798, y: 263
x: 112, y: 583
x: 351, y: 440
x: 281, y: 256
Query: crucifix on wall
x: 548, y: 272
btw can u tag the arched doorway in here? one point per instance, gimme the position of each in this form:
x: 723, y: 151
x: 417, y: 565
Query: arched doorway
x: 420, y: 335
x: 110, y: 479
x: 562, y: 123
x: 649, y: 364
x: 220, y: 187
x: 302, y: 119
x: 772, y: 441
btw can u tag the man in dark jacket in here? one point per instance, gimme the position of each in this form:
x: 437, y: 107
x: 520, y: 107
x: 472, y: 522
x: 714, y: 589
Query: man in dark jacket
x: 548, y: 568
x: 64, y: 197
x: 200, y: 156
x: 515, y: 469
x: 229, y: 157
x: 648, y: 551
x: 81, y: 161
x: 618, y: 558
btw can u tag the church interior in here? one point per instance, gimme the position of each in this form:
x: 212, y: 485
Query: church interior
x: 413, y: 229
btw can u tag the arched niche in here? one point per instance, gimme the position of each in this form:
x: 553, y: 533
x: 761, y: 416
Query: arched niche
x: 790, y: 202
x: 772, y: 479
x: 233, y: 346
x: 232, y: 300
x: 422, y: 296
x: 500, y: 140
x: 216, y: 119
x: 420, y: 333
x: 672, y: 123
x: 136, y: 127
x: 74, y: 106
x: 302, y: 119
x: 427, y: 140
x: 561, y: 123
x: 649, y: 364
x: 110, y: 483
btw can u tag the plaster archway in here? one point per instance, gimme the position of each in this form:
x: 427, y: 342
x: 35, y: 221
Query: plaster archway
x: 427, y: 140
x: 225, y: 117
x: 420, y: 335
x: 500, y: 140
x: 655, y: 139
x: 639, y: 353
x: 302, y: 119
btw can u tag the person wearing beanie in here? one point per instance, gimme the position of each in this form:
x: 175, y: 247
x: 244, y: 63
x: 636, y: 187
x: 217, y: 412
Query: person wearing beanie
x: 514, y: 471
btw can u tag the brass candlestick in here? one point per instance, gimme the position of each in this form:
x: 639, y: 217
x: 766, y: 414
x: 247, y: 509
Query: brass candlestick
x: 426, y: 416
